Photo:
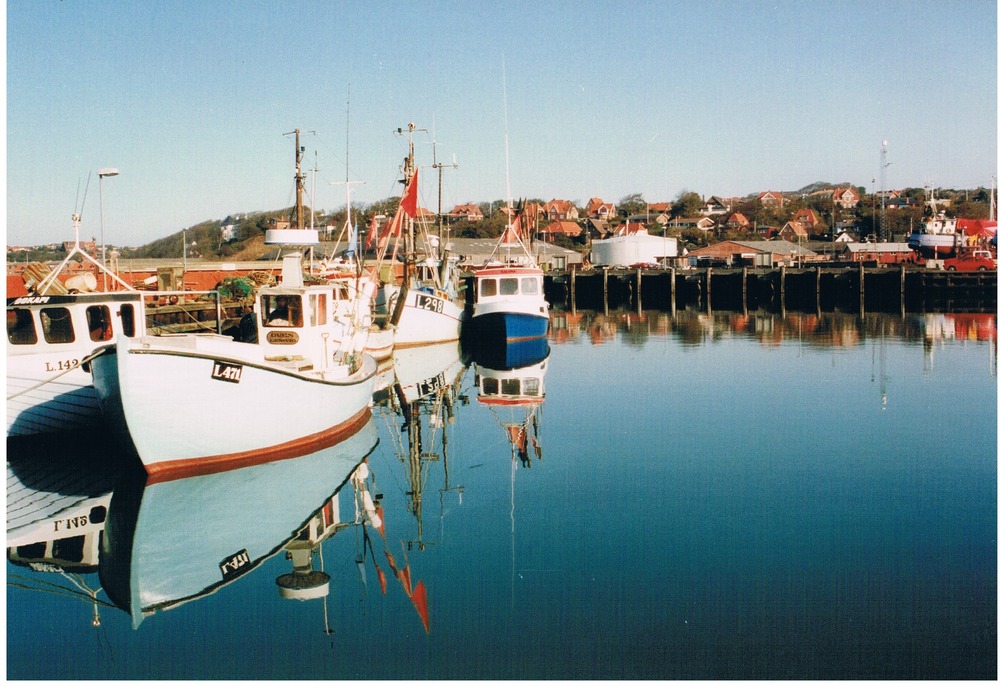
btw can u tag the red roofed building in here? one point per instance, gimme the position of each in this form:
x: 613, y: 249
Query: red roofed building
x: 562, y: 228
x: 768, y: 198
x: 807, y: 218
x: 469, y: 211
x: 737, y: 221
x: 561, y: 210
x: 793, y: 232
x: 598, y: 209
x: 846, y: 197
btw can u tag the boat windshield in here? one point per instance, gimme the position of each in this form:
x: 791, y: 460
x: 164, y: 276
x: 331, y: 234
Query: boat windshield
x: 282, y: 310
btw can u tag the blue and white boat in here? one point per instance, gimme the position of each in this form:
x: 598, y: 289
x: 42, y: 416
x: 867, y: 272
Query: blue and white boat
x: 507, y: 303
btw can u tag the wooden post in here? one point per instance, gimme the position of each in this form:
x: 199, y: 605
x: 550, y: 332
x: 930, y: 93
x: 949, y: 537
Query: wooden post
x: 861, y: 289
x: 638, y: 290
x: 673, y: 292
x: 708, y: 289
x: 818, y: 308
x: 744, y: 290
x: 781, y: 288
x: 572, y: 290
x: 902, y: 289
x: 605, y: 291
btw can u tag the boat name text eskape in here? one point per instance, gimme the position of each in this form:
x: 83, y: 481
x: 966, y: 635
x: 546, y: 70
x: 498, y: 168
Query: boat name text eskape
x: 31, y: 300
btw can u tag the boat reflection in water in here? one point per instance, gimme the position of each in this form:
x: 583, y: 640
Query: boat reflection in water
x: 172, y: 542
x: 57, y: 506
x: 156, y: 546
x: 511, y: 383
x: 426, y: 388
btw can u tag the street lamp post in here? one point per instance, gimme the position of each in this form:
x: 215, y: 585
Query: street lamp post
x: 101, y: 173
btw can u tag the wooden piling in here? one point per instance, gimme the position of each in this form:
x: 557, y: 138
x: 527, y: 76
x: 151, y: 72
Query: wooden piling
x: 572, y: 291
x: 819, y: 309
x: 744, y: 290
x: 902, y: 289
x: 605, y: 269
x: 861, y: 290
x: 781, y: 289
x: 638, y: 289
x: 673, y: 292
x: 708, y: 289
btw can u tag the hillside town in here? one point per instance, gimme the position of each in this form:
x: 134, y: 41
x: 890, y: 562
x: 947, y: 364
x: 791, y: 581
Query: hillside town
x: 821, y: 222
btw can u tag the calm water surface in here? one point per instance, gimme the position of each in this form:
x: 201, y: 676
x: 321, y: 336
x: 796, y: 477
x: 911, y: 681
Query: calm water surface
x: 695, y: 497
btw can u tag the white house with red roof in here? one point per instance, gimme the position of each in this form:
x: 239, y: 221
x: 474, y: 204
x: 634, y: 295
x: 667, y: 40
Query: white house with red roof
x: 560, y: 210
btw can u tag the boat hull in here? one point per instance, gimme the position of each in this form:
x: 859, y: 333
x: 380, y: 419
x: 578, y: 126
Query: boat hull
x: 427, y: 318
x: 942, y: 245
x: 39, y: 401
x: 508, y: 327
x: 187, y: 411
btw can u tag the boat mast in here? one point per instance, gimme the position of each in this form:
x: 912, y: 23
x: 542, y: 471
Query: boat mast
x: 409, y: 253
x: 299, y: 180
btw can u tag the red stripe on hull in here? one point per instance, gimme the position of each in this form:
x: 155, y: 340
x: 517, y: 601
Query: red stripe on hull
x: 195, y: 467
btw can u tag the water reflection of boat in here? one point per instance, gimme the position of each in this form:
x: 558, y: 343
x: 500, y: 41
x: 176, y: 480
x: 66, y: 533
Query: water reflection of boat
x: 169, y: 543
x: 427, y: 386
x: 515, y: 395
x: 57, y: 503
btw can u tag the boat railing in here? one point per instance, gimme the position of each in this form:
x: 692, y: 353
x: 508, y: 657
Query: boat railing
x: 171, y: 312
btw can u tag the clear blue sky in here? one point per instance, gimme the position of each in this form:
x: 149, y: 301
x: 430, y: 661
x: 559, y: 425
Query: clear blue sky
x: 190, y: 100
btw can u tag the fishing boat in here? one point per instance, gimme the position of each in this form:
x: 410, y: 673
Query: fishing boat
x: 175, y: 542
x: 507, y: 302
x: 204, y: 402
x: 51, y: 334
x: 938, y: 235
x: 423, y: 308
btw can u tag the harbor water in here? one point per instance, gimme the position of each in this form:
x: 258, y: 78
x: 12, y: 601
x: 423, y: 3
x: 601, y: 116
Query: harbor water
x: 699, y: 496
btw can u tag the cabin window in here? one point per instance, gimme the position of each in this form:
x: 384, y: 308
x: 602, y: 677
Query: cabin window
x: 57, y: 326
x: 488, y: 287
x: 508, y: 286
x: 282, y: 311
x: 127, y: 313
x: 317, y: 314
x: 491, y: 385
x: 99, y: 323
x: 529, y: 285
x: 531, y: 386
x: 510, y: 387
x: 21, y: 327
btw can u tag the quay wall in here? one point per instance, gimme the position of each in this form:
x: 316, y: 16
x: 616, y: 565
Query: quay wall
x: 896, y: 288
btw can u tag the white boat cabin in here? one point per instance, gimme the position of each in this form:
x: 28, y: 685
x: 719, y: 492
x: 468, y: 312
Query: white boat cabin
x: 46, y: 324
x: 501, y: 283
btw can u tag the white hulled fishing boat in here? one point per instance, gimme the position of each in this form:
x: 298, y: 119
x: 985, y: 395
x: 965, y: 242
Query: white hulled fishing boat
x: 52, y: 332
x: 423, y: 308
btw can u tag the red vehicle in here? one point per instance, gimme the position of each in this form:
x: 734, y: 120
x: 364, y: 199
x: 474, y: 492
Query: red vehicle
x: 972, y: 261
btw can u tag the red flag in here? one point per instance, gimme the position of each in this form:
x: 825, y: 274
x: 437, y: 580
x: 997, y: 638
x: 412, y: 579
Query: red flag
x: 409, y: 201
x: 381, y: 578
x: 372, y: 233
x: 512, y: 232
x: 395, y: 228
x: 419, y: 599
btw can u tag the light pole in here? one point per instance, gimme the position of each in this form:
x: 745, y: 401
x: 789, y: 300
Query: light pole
x: 101, y: 173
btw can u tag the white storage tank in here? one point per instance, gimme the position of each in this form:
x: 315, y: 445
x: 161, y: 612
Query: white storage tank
x: 632, y: 249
